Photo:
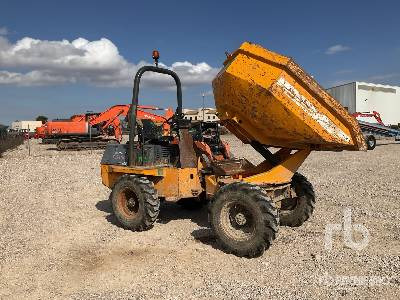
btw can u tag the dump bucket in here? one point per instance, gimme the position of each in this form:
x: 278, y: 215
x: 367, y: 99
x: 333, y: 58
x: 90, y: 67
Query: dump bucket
x: 266, y: 97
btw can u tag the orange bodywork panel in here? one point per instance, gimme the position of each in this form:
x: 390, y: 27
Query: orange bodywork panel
x: 170, y: 183
x: 40, y: 132
x: 211, y: 185
x: 66, y: 127
x: 283, y: 172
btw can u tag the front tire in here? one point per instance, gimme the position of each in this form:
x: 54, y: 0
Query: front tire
x: 135, y: 202
x: 295, y: 211
x: 244, y: 219
x: 371, y: 142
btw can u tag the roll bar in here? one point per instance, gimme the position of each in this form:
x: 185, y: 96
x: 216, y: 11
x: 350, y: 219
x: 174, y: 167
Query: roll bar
x: 135, y: 100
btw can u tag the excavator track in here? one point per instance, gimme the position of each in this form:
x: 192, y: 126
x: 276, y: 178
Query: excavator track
x: 65, y: 145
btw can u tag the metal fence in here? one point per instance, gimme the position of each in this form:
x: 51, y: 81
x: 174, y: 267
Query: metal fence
x: 9, y: 140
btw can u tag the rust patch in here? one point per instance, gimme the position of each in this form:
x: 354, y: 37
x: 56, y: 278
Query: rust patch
x: 187, y: 156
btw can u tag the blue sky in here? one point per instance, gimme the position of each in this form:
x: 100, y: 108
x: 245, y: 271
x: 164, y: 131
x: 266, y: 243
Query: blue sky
x: 336, y: 42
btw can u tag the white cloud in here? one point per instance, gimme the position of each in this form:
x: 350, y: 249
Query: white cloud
x: 39, y: 62
x: 33, y: 78
x: 336, y: 49
x: 3, y: 31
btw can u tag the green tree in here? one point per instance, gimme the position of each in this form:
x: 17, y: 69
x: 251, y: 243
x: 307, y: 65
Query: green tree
x: 42, y: 118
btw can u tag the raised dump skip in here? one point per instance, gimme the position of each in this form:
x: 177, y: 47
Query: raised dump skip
x: 265, y: 97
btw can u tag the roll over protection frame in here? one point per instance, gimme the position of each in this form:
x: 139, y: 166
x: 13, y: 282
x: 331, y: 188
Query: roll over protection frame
x: 135, y: 100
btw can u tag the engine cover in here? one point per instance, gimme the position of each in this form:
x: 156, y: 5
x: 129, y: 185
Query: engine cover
x: 147, y: 155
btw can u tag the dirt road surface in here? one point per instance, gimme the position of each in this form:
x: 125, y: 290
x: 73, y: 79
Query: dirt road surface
x: 59, y: 239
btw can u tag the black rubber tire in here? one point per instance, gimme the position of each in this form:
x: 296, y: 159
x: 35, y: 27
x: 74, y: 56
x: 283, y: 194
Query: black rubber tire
x: 300, y: 208
x: 371, y: 142
x: 141, y: 212
x: 61, y: 146
x: 262, y: 219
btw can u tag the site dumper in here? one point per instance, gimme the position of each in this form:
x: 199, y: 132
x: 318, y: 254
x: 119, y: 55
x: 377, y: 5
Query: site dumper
x: 267, y: 101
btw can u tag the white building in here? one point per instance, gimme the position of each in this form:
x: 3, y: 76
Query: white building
x: 368, y: 97
x: 25, y: 125
x: 210, y: 114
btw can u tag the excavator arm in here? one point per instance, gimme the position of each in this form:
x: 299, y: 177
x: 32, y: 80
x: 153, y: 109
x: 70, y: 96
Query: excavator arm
x: 110, y: 117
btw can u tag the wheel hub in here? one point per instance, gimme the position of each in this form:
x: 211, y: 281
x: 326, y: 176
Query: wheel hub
x: 240, y: 219
x: 237, y: 221
x: 131, y: 203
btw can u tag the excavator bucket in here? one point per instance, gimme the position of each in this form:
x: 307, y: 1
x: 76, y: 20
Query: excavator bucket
x: 265, y: 97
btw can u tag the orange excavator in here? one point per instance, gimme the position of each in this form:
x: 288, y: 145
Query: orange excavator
x: 95, y: 130
x: 109, y: 119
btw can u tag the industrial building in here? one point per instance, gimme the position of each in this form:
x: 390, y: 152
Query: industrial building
x: 25, y: 125
x: 206, y: 114
x: 368, y: 97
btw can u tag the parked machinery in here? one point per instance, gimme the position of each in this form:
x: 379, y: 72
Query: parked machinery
x: 372, y: 127
x: 266, y: 100
x: 93, y: 130
x: 74, y: 128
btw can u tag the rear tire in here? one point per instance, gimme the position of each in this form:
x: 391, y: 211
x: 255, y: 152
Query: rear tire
x: 295, y: 211
x: 244, y: 219
x: 371, y: 142
x: 135, y: 202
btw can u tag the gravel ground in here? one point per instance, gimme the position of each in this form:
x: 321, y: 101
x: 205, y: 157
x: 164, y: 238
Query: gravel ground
x: 59, y: 239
